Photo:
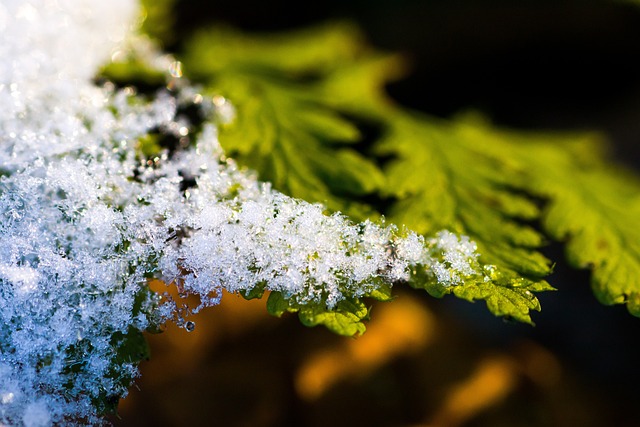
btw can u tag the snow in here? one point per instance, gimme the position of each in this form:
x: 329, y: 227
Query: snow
x: 85, y: 220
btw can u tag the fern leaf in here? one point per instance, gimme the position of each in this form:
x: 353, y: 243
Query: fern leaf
x: 296, y: 96
x: 285, y: 128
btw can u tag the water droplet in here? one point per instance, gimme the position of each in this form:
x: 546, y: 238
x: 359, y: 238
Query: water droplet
x: 175, y: 69
x: 189, y: 326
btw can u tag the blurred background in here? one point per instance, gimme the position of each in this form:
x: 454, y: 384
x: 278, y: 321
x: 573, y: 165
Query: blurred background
x: 530, y: 65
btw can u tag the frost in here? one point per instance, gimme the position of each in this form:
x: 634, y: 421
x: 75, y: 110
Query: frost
x: 86, y: 219
x: 454, y: 258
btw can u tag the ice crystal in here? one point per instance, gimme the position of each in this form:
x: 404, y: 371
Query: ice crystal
x: 86, y: 219
x: 455, y: 258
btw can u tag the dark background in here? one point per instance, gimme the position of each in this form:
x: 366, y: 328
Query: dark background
x: 560, y: 65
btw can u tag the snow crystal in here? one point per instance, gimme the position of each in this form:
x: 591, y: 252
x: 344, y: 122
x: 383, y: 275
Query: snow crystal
x: 454, y: 258
x: 36, y: 414
x: 86, y: 219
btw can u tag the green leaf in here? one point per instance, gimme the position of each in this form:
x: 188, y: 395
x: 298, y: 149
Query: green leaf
x: 300, y: 98
x: 594, y: 207
x: 442, y: 178
x: 346, y: 319
x: 277, y: 304
x: 504, y: 301
x: 506, y: 293
x: 591, y: 204
x: 297, y: 96
x: 381, y: 293
x: 254, y: 293
x: 303, y: 53
x: 286, y: 128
